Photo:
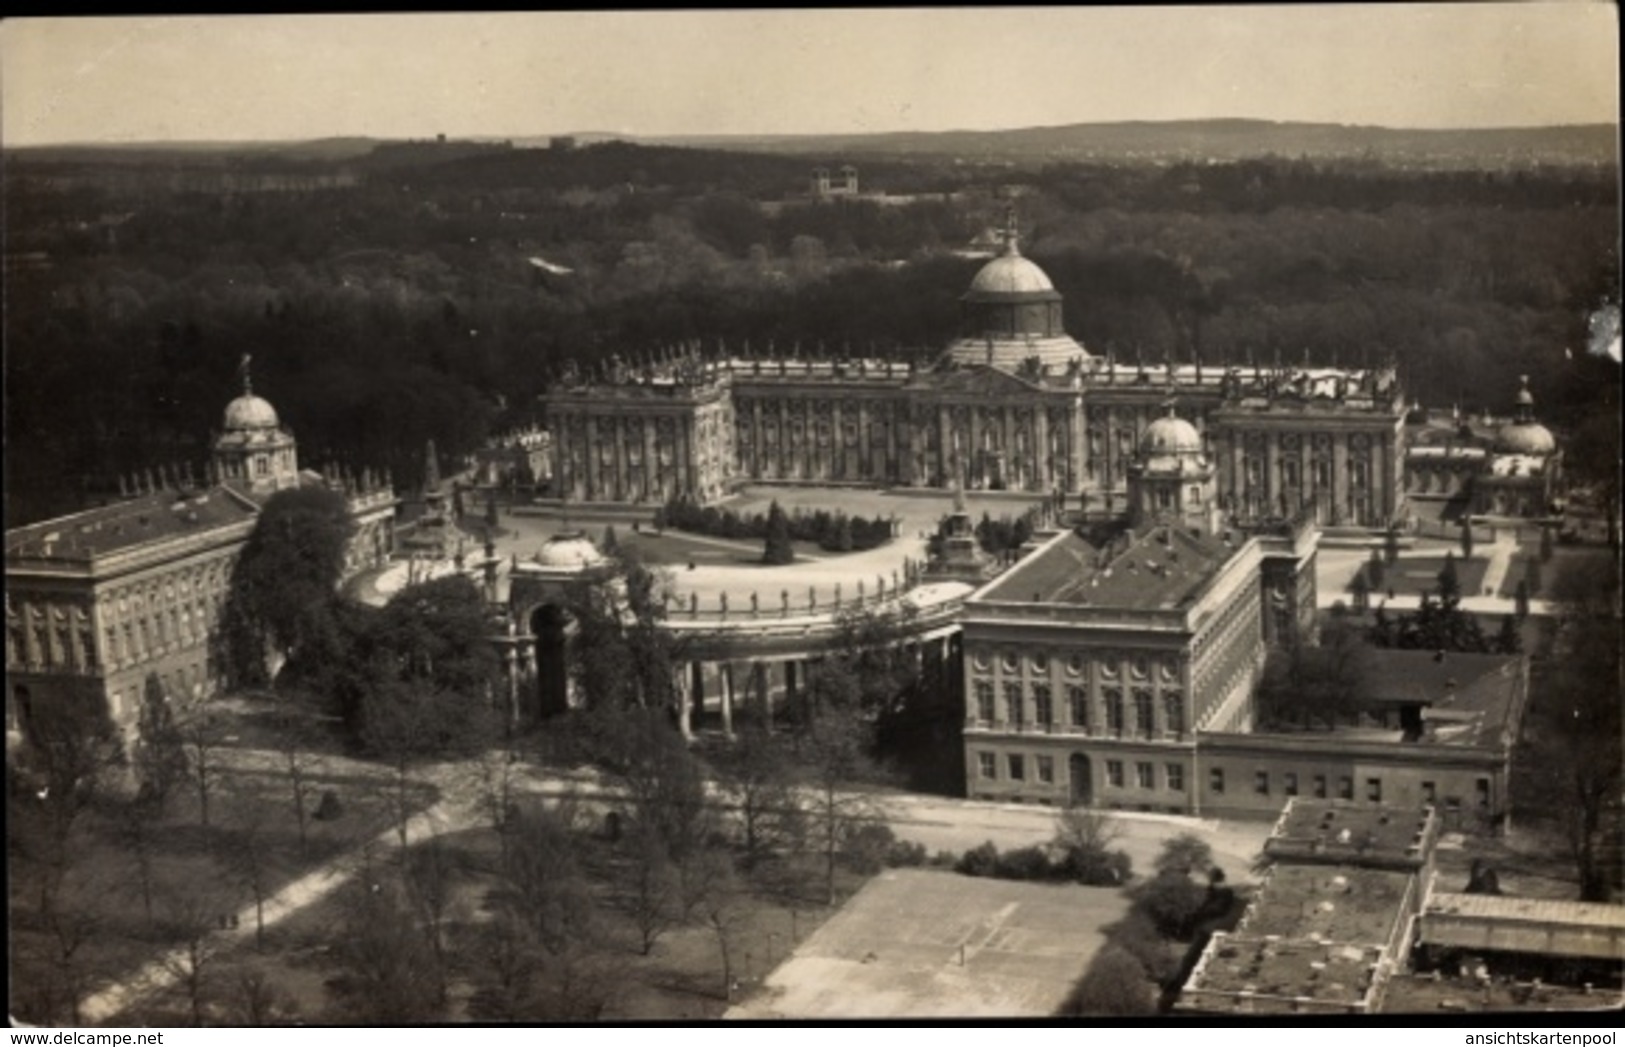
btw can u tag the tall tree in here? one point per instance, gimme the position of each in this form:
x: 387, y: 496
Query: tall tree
x: 1578, y: 718
x: 1307, y: 684
x: 284, y: 582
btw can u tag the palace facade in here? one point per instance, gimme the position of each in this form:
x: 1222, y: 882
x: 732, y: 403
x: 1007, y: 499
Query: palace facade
x: 1014, y: 404
x: 101, y: 603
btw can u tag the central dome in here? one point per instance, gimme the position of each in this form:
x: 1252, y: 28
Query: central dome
x: 250, y: 412
x: 1011, y: 274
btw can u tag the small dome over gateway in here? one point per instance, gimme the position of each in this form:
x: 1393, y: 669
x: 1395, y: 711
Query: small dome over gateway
x: 571, y: 550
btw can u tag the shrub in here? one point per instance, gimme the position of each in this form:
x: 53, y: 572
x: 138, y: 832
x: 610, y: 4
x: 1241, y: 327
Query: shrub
x: 905, y: 854
x: 981, y: 861
x: 944, y: 860
x: 1023, y: 863
x: 868, y: 847
x: 1098, y: 868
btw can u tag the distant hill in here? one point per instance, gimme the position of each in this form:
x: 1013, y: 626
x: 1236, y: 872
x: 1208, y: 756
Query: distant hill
x: 1202, y: 140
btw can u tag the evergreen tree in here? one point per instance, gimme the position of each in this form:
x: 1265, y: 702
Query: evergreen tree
x: 1376, y: 569
x: 1449, y: 582
x: 778, y: 549
x: 1545, y: 544
x: 1391, y: 545
x: 1507, y: 641
x: 491, y: 509
x: 1466, y: 539
x: 1520, y: 599
x: 842, y: 542
x: 611, y: 544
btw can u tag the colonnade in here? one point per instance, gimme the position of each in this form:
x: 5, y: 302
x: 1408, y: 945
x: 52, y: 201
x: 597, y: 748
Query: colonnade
x: 715, y: 692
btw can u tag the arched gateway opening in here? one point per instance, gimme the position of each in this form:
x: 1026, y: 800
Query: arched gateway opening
x: 1081, y: 780
x: 547, y: 624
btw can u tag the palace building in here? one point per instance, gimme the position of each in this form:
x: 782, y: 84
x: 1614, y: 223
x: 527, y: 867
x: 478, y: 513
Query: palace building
x: 1013, y: 404
x: 103, y: 601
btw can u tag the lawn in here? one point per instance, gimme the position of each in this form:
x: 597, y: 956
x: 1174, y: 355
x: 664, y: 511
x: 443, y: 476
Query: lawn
x: 1563, y: 559
x: 1414, y: 575
x: 198, y: 873
x: 681, y: 978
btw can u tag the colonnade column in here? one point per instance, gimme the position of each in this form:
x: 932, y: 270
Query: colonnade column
x: 725, y: 683
x: 683, y: 677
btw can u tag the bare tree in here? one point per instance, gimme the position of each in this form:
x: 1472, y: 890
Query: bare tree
x: 835, y: 754
x: 386, y: 967
x: 723, y: 915
x: 190, y: 919
x: 653, y: 887
x: 134, y: 826
x: 250, y: 860
x: 429, y: 874
x: 202, y: 736
x: 293, y: 743
x: 255, y: 999
x: 758, y: 782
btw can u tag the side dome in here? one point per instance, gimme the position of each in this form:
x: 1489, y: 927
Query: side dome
x: 1010, y: 274
x: 1523, y: 435
x: 1171, y: 435
x: 572, y: 551
x: 250, y: 412
x: 1527, y: 438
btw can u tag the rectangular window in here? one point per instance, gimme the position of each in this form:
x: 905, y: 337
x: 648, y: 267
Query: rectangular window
x: 1013, y: 702
x: 1144, y: 713
x: 1289, y: 783
x: 1429, y: 793
x: 1079, y: 699
x: 1320, y: 786
x: 1114, y: 773
x: 1373, y: 790
x: 987, y: 765
x: 1176, y: 776
x: 1215, y: 780
x: 1114, y: 713
x: 1146, y: 775
x: 984, y: 701
x: 1018, y: 767
x: 1261, y: 783
x: 1173, y: 713
x: 1345, y: 788
x: 1046, y: 769
x: 1043, y: 706
x: 1482, y: 790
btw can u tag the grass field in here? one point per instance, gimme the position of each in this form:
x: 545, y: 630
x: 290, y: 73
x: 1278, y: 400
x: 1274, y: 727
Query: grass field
x: 926, y: 943
x: 1414, y: 575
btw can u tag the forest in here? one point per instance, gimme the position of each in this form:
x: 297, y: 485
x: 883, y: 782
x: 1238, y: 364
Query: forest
x: 409, y: 302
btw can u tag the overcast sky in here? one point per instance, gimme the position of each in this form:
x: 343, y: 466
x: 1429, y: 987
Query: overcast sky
x: 709, y: 72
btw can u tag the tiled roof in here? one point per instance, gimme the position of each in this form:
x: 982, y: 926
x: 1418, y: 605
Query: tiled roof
x: 128, y: 524
x: 1163, y: 567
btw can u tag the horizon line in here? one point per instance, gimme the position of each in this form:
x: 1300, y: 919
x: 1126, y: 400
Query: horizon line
x: 790, y: 135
